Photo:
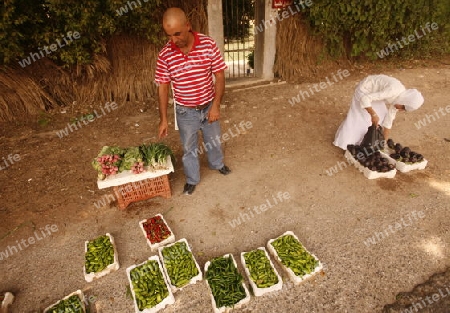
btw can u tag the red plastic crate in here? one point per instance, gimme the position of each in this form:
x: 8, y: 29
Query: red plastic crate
x: 142, y: 190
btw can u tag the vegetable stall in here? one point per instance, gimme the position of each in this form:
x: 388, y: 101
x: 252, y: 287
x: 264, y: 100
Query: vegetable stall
x: 135, y: 173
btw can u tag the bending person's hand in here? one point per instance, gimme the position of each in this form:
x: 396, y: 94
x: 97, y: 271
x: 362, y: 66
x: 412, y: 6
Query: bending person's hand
x: 375, y: 119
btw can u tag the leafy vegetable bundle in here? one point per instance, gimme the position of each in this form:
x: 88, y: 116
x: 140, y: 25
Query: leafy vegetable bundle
x: 294, y: 256
x: 72, y: 304
x: 261, y: 271
x: 99, y: 254
x: 179, y: 264
x: 108, y: 161
x: 113, y: 160
x: 155, y: 154
x: 148, y: 285
x: 225, y: 282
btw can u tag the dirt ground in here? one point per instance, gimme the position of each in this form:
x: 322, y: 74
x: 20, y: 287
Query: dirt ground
x: 288, y: 149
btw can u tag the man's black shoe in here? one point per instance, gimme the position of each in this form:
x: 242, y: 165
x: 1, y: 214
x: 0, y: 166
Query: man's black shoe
x: 225, y: 170
x: 188, y: 189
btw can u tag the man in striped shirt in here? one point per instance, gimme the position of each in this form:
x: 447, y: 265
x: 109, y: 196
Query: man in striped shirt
x: 188, y: 62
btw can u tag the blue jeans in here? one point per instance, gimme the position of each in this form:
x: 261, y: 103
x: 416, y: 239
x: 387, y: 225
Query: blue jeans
x: 190, y: 121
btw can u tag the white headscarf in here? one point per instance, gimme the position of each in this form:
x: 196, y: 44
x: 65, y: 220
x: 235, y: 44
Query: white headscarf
x: 412, y: 99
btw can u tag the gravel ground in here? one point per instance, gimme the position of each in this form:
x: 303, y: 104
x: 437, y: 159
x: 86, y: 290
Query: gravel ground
x: 288, y: 149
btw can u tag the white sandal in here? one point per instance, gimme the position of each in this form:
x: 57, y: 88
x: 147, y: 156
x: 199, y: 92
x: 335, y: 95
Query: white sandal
x: 7, y: 300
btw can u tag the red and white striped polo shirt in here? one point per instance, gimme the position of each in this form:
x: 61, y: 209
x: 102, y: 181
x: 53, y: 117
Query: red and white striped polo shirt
x: 191, y: 74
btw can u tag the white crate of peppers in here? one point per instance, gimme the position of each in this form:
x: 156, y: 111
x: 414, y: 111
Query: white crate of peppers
x: 153, y: 282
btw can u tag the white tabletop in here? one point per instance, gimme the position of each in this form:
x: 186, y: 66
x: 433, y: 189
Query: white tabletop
x: 129, y: 177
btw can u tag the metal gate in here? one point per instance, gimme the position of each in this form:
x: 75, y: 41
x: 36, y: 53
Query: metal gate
x: 238, y: 25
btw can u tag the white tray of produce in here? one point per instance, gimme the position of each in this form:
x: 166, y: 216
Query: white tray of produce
x: 294, y: 278
x: 261, y: 291
x: 109, y: 269
x: 126, y: 177
x: 170, y: 299
x: 367, y: 172
x: 77, y: 293
x: 192, y: 280
x: 405, y: 167
x: 240, y: 303
x: 155, y: 246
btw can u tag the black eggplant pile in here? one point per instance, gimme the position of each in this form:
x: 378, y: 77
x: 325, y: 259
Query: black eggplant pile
x: 373, y: 160
x: 403, y: 154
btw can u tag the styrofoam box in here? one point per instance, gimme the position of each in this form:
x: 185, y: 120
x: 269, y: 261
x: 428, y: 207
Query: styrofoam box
x: 295, y: 279
x: 261, y: 291
x: 367, y: 172
x: 404, y: 167
x: 193, y: 280
x: 238, y: 304
x: 80, y: 295
x: 155, y: 246
x: 109, y: 269
x: 170, y: 299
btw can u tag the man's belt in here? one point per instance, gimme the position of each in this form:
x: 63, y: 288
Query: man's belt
x: 198, y: 107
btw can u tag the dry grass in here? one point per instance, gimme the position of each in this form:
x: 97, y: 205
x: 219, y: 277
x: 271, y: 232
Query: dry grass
x: 124, y: 71
x: 299, y: 54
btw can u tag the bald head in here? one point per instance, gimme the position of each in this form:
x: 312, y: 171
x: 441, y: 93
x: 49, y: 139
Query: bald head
x: 178, y: 28
x: 174, y: 17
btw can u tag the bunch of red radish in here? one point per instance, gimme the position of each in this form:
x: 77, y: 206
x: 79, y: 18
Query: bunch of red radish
x: 138, y: 167
x: 108, y: 162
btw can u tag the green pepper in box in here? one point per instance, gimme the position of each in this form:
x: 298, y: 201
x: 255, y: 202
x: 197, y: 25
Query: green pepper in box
x: 261, y: 273
x: 149, y: 286
x: 179, y: 264
x: 226, y: 283
x: 73, y: 303
x: 294, y: 258
x: 100, y: 257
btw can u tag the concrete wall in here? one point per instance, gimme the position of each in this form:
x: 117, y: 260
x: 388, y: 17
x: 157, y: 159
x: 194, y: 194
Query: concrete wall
x: 215, y: 23
x: 266, y: 30
x: 269, y: 49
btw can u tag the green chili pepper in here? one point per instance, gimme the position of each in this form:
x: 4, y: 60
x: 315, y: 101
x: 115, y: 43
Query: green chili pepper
x: 148, y: 285
x: 294, y: 256
x: 225, y: 282
x: 261, y: 272
x: 99, y: 254
x: 70, y: 305
x: 179, y: 263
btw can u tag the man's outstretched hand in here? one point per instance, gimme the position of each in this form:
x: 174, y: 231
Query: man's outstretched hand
x: 163, y: 129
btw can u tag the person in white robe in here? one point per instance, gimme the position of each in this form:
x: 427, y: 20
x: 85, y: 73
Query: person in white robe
x: 376, y: 101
